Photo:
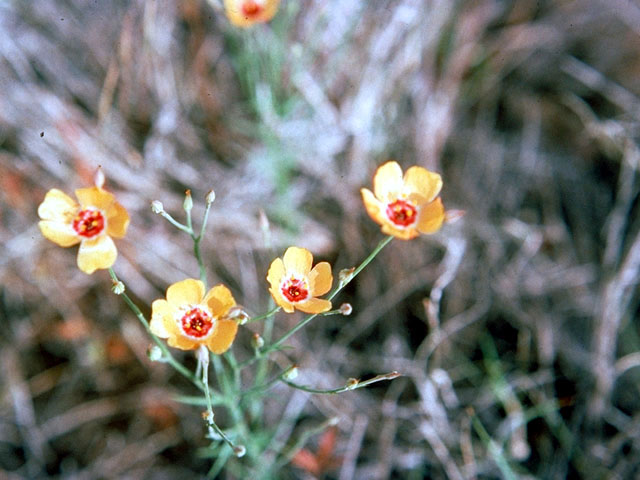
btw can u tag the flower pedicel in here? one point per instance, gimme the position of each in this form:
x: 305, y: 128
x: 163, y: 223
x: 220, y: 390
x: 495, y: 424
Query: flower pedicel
x: 406, y: 205
x: 188, y: 318
x: 245, y: 13
x: 295, y: 285
x: 91, y: 222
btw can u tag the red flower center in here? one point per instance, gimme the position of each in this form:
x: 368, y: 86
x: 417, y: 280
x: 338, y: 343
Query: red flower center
x: 295, y: 290
x: 402, y: 213
x: 250, y: 8
x: 196, y: 323
x: 88, y: 223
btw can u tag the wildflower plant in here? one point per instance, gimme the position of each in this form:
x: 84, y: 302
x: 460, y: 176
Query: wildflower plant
x: 193, y: 317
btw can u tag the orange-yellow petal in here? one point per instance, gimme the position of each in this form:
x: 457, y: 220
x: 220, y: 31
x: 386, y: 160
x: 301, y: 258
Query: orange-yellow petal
x: 314, y: 305
x: 186, y: 292
x: 275, y: 273
x: 117, y: 220
x: 239, y: 12
x: 280, y: 300
x: 95, y: 197
x: 403, y: 234
x: 183, y: 343
x: 373, y: 206
x: 222, y: 338
x: 96, y: 253
x: 297, y: 260
x: 58, y: 206
x: 160, y: 309
x: 219, y: 300
x: 423, y: 182
x: 58, y: 232
x: 431, y: 217
x: 387, y: 182
x: 320, y: 279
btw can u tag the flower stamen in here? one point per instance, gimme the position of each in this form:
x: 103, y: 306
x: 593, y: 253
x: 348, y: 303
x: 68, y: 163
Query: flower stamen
x: 88, y: 223
x: 196, y: 323
x: 295, y: 289
x: 402, y: 213
x: 250, y: 8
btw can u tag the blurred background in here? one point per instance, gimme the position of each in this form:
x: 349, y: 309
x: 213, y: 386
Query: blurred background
x: 515, y: 328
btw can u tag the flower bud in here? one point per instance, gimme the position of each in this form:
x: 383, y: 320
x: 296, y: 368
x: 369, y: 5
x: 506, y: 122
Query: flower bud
x: 154, y: 353
x: 157, y: 207
x: 99, y: 177
x: 352, y: 383
x: 345, y: 309
x: 257, y: 341
x: 211, y: 196
x: 291, y: 373
x: 239, y: 451
x: 238, y: 314
x: 345, y: 275
x: 118, y: 287
x: 188, y: 201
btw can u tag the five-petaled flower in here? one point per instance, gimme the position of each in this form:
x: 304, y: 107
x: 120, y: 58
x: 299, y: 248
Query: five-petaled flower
x: 188, y: 318
x: 405, y: 206
x: 295, y: 285
x: 91, y: 222
x: 244, y: 13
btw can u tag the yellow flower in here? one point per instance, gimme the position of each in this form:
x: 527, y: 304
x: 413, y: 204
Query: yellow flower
x: 294, y: 284
x: 91, y: 222
x: 188, y: 318
x: 405, y: 206
x: 244, y: 13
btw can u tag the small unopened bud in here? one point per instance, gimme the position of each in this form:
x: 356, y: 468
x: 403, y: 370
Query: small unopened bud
x: 188, y: 201
x: 99, y: 177
x: 118, y: 287
x: 157, y: 207
x: 211, y: 196
x: 239, y: 451
x: 257, y: 341
x: 154, y: 353
x: 291, y: 373
x: 452, y: 216
x: 352, y: 383
x: 346, y: 309
x: 238, y: 314
x: 207, y: 416
x: 345, y: 275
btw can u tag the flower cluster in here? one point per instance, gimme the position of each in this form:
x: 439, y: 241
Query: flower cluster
x: 404, y: 205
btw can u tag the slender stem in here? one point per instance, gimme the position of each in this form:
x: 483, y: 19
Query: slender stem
x: 165, y: 350
x: 198, y: 255
x: 205, y: 219
x: 350, y: 385
x: 175, y: 223
x: 203, y: 359
x: 264, y: 315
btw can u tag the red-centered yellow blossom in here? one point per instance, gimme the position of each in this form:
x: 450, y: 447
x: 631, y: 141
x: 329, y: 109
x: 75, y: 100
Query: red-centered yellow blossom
x: 295, y: 285
x: 245, y: 13
x: 92, y: 221
x: 406, y: 205
x: 188, y: 318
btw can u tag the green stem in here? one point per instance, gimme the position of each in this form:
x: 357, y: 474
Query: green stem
x: 175, y: 223
x: 351, y: 385
x: 165, y: 350
x: 203, y: 359
x: 264, y: 315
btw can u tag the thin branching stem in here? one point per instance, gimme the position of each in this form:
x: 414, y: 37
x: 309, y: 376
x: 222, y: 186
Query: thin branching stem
x: 167, y: 356
x: 350, y: 385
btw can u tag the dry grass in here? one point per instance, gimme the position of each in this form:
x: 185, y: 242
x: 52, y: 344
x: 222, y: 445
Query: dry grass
x: 516, y: 328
